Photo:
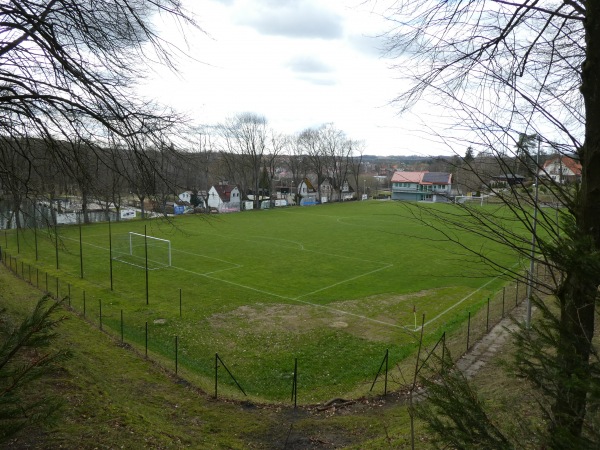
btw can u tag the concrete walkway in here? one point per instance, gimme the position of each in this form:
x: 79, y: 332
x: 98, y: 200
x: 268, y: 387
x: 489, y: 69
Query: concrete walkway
x: 486, y: 348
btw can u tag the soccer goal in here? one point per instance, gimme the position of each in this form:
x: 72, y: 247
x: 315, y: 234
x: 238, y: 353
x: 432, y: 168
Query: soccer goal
x: 138, y: 249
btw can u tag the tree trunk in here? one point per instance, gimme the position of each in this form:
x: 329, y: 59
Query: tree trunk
x: 17, y: 210
x: 577, y: 306
x: 578, y: 293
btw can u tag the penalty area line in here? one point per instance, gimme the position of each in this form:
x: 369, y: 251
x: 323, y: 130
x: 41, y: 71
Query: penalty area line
x: 243, y: 286
x: 344, y: 281
x: 347, y: 313
x: 297, y: 299
x: 457, y: 303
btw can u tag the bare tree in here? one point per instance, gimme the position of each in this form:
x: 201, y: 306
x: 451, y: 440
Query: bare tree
x: 311, y: 143
x: 61, y: 59
x: 357, y: 150
x: 336, y: 150
x: 245, y: 140
x: 504, y: 70
x: 297, y: 161
x: 16, y: 168
x: 278, y: 146
x: 201, y: 158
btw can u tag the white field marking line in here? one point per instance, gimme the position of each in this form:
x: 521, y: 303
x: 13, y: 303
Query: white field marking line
x: 342, y: 220
x: 344, y: 281
x: 231, y: 282
x: 310, y: 215
x: 222, y: 270
x: 87, y: 243
x: 347, y: 313
x: 347, y: 257
x: 207, y: 257
x: 297, y: 299
x: 458, y: 303
x: 235, y: 266
x: 323, y: 253
x: 137, y: 265
x: 268, y: 238
x: 302, y: 248
x: 339, y: 219
x: 89, y: 236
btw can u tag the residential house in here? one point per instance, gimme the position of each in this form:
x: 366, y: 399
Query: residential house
x: 328, y: 193
x: 198, y: 198
x: 422, y: 186
x: 561, y: 169
x: 331, y: 194
x: 186, y: 196
x: 347, y: 192
x: 307, y: 193
x: 224, y: 198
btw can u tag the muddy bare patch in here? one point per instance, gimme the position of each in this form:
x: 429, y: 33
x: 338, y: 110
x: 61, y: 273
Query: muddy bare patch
x: 374, y: 318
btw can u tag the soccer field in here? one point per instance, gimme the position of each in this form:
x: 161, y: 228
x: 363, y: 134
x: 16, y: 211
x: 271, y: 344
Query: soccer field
x: 333, y: 286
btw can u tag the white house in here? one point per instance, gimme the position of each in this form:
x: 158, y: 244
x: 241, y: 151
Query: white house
x: 347, y: 192
x: 186, y: 196
x: 224, y: 198
x: 331, y: 194
x: 561, y: 169
x: 307, y: 193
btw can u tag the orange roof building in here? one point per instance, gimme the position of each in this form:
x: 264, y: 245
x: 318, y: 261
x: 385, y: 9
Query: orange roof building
x: 561, y: 169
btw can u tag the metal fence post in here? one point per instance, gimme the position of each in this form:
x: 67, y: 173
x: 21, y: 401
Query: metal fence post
x: 487, y: 319
x: 216, y: 373
x: 468, y: 330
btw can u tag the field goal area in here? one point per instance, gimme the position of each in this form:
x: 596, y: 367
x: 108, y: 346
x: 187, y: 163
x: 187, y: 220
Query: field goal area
x: 141, y: 250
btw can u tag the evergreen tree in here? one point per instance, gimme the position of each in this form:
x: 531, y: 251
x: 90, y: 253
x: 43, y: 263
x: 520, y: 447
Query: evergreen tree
x: 25, y: 356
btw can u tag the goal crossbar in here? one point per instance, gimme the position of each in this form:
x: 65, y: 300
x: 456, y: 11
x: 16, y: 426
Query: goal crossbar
x: 146, y: 237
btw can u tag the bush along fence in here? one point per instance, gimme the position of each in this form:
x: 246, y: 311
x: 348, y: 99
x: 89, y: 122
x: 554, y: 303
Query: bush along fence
x: 456, y: 337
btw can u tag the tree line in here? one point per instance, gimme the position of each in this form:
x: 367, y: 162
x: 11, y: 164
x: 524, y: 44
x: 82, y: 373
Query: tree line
x: 243, y: 150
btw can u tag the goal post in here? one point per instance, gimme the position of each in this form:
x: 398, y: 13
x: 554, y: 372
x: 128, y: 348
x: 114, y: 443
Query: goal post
x: 155, y: 250
x: 141, y: 250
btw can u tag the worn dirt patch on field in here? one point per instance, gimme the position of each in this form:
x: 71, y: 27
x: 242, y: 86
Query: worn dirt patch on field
x: 374, y: 318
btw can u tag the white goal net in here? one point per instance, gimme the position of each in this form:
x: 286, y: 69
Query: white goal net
x: 140, y: 249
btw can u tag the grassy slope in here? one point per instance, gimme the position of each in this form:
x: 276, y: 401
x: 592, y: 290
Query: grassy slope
x: 114, y: 398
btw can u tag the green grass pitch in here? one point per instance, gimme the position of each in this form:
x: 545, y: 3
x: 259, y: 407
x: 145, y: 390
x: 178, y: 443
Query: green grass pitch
x: 332, y: 285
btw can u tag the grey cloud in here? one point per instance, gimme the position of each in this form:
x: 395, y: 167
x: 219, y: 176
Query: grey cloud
x: 369, y: 45
x: 297, y: 19
x: 307, y: 64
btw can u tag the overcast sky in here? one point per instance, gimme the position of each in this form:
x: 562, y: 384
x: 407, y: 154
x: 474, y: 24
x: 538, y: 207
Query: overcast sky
x: 300, y: 63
